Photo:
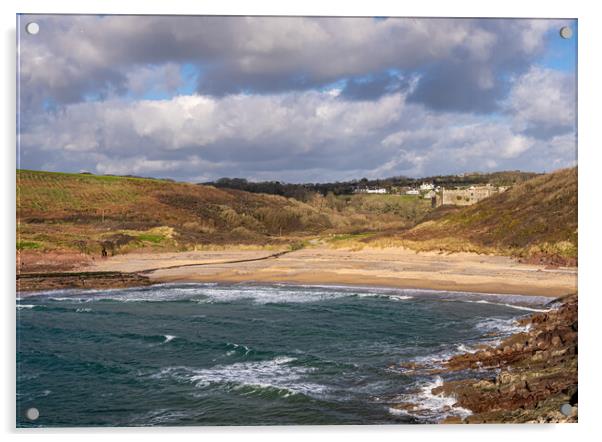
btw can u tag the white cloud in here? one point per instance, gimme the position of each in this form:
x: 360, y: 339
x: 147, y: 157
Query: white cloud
x: 543, y: 100
x: 291, y: 136
x: 292, y: 98
x: 515, y: 145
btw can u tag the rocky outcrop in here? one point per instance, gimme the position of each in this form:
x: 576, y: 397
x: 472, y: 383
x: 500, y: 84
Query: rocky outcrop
x: 536, y: 372
x: 528, y: 377
x: 98, y: 280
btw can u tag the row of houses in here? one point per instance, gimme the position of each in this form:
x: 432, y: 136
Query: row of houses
x: 380, y: 190
x: 424, y: 187
x: 441, y: 196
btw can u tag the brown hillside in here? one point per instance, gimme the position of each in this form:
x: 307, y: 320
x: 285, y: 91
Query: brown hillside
x: 84, y: 213
x: 535, y: 220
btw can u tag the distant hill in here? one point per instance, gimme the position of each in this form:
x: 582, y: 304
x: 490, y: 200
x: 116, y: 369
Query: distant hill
x: 535, y: 220
x: 87, y: 212
x: 304, y: 191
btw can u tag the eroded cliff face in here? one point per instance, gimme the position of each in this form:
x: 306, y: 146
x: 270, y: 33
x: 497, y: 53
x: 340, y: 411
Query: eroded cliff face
x: 527, y: 378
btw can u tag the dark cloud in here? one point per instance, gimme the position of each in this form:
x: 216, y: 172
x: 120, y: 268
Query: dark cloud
x: 77, y: 55
x: 290, y: 98
x: 456, y: 87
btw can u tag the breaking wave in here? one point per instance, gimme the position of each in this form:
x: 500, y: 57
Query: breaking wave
x: 255, y: 377
x: 426, y: 406
x: 515, y: 306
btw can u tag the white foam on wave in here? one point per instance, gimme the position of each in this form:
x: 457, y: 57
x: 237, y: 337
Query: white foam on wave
x: 201, y: 293
x: 160, y: 417
x: 514, y: 306
x: 69, y: 299
x: 237, y: 346
x: 83, y: 310
x: 462, y: 348
x: 168, y: 338
x: 390, y: 297
x: 436, y: 359
x: 427, y: 406
x: 282, y: 293
x: 500, y: 326
x: 277, y: 373
x: 25, y: 306
x: 496, y: 330
x: 146, y: 294
x: 267, y: 295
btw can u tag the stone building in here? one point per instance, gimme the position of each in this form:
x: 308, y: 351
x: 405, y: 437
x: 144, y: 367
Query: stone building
x: 466, y: 197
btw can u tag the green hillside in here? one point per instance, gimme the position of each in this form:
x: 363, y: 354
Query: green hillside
x: 86, y: 212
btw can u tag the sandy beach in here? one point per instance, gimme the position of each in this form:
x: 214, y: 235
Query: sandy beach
x: 388, y: 267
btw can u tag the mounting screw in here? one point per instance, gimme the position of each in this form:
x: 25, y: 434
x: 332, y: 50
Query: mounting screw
x: 566, y: 32
x: 32, y: 414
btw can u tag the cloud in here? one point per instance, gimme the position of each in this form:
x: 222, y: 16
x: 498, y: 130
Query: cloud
x: 74, y: 56
x: 162, y: 79
x: 292, y: 137
x: 543, y: 102
x: 292, y: 98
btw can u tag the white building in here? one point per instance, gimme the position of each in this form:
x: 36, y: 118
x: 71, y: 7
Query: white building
x: 430, y: 194
x: 412, y: 192
x: 427, y: 186
x: 380, y: 190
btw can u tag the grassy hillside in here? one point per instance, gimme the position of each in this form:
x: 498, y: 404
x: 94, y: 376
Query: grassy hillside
x: 535, y: 220
x: 82, y: 212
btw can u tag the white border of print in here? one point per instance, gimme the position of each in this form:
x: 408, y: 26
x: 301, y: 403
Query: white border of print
x: 589, y: 244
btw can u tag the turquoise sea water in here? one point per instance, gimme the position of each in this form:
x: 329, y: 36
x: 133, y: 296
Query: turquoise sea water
x: 209, y: 354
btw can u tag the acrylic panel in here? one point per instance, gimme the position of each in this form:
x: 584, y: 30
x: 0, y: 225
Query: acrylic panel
x: 230, y: 220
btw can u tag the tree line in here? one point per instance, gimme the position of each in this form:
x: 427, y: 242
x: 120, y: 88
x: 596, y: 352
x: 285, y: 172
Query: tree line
x: 304, y: 191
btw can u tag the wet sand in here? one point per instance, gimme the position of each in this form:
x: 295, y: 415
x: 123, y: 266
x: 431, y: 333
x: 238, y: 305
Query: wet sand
x: 388, y: 267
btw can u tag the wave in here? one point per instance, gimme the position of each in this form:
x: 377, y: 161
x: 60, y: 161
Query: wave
x: 500, y: 326
x: 462, y: 348
x: 168, y: 338
x: 400, y: 297
x: 254, y: 377
x: 237, y: 348
x: 25, y: 306
x: 69, y: 299
x: 515, y: 306
x: 493, y: 329
x: 390, y: 297
x: 163, y: 416
x: 426, y: 406
x: 203, y: 293
x: 434, y: 360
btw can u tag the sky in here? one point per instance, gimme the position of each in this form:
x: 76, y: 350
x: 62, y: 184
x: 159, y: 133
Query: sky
x: 295, y: 99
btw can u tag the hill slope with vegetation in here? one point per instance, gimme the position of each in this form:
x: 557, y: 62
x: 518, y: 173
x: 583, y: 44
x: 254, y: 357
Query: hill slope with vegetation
x: 86, y: 213
x: 535, y: 220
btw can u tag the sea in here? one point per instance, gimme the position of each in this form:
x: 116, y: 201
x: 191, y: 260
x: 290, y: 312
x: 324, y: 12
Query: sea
x: 247, y: 354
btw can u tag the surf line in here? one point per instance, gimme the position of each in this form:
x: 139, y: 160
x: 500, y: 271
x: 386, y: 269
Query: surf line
x: 262, y: 258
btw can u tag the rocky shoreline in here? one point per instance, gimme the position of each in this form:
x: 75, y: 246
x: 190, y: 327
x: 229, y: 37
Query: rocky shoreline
x: 527, y: 378
x: 30, y: 282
